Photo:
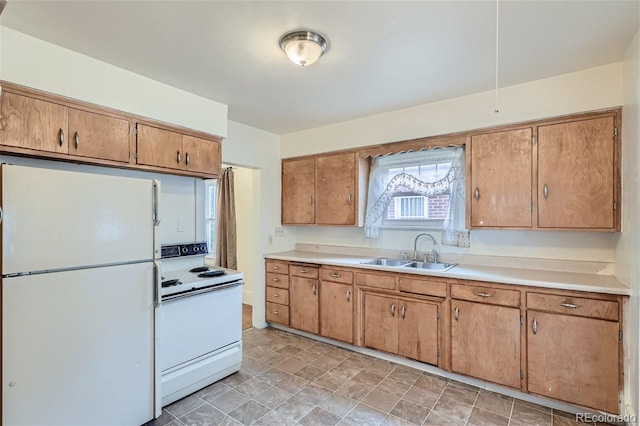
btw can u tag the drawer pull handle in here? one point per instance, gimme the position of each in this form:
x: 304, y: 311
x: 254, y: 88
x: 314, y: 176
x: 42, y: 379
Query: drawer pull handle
x: 276, y: 279
x: 535, y: 326
x: 402, y: 312
x: 276, y: 294
x: 61, y: 137
x: 310, y: 201
x: 77, y: 140
x: 349, y: 199
x: 569, y: 305
x: 304, y: 271
x: 476, y: 195
x: 393, y: 309
x: 348, y: 295
x: 314, y: 289
x: 179, y: 157
x: 545, y: 191
x: 481, y: 294
x: 276, y: 267
x: 456, y: 313
x: 335, y: 275
x: 276, y: 312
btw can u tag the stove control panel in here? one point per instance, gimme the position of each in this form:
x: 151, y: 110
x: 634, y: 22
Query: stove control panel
x: 181, y: 250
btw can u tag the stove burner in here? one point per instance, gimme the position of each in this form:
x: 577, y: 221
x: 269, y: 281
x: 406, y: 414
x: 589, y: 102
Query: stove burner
x: 199, y: 269
x: 170, y: 283
x: 214, y: 273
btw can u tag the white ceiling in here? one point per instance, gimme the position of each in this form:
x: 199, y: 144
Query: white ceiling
x: 383, y: 55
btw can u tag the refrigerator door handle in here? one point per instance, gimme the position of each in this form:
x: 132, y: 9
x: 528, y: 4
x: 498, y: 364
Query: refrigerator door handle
x: 156, y: 285
x: 156, y: 196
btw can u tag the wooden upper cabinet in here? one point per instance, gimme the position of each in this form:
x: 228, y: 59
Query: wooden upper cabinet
x: 33, y: 124
x: 574, y: 359
x: 98, y: 136
x: 201, y: 155
x: 576, y: 166
x: 485, y: 342
x: 298, y: 191
x: 500, y: 190
x: 159, y: 147
x: 336, y: 186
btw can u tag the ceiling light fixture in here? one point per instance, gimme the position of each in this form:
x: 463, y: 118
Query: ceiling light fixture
x: 303, y: 47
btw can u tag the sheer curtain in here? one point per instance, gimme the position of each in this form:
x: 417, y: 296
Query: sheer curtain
x: 383, y: 186
x: 225, y: 255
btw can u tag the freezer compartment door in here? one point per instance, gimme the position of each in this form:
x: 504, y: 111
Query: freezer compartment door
x: 54, y: 219
x: 78, y: 347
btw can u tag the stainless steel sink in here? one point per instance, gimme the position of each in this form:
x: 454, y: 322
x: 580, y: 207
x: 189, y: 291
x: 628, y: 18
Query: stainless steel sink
x: 387, y: 262
x: 430, y: 265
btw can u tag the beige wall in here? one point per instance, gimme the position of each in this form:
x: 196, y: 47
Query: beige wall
x: 627, y: 252
x: 586, y: 90
x: 245, y: 230
x: 45, y: 66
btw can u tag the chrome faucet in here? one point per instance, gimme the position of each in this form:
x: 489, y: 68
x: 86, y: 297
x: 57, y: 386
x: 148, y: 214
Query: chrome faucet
x: 434, y: 252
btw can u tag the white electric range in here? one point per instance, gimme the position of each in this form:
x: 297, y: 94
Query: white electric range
x: 200, y: 332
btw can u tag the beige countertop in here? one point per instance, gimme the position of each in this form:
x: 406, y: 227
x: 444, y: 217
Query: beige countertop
x: 597, y: 283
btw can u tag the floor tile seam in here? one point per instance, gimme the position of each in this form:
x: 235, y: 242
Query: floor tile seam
x: 191, y: 411
x: 435, y: 403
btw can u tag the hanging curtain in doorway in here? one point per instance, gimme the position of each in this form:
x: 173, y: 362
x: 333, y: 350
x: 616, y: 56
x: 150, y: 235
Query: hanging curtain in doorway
x: 226, y: 224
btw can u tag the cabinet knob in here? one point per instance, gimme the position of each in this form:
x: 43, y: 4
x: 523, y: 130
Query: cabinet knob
x: 187, y: 158
x: 535, y: 326
x: 77, y: 138
x: 402, y: 311
x: 349, y: 199
x: 393, y: 309
x: 545, y: 191
x: 179, y: 157
x: 348, y: 295
x: 314, y: 288
x: 476, y: 194
x: 61, y: 136
x: 456, y: 313
x: 311, y: 200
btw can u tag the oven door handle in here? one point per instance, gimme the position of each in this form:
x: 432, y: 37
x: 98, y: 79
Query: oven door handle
x: 203, y: 291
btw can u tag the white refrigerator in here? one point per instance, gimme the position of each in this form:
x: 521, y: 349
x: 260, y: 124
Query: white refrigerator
x: 80, y: 292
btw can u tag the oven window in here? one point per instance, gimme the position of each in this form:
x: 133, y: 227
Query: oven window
x: 211, y: 200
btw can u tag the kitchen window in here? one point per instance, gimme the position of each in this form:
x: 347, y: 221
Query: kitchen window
x: 418, y: 190
x: 211, y: 204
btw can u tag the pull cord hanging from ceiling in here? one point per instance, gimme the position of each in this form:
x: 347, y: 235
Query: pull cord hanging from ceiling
x: 497, y: 108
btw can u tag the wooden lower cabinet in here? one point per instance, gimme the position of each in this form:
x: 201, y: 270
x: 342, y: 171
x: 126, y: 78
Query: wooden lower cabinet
x: 574, y: 359
x: 303, y: 304
x: 485, y: 342
x: 336, y: 311
x: 418, y: 331
x: 401, y: 326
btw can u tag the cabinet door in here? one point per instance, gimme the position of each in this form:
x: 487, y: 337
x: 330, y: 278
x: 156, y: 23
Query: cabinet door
x: 485, y: 342
x: 201, y: 155
x: 336, y: 311
x: 336, y: 190
x: 418, y: 331
x: 160, y: 148
x: 576, y: 174
x: 381, y: 323
x: 298, y: 192
x: 98, y: 136
x: 574, y: 359
x: 303, y: 304
x: 501, y: 179
x: 33, y: 124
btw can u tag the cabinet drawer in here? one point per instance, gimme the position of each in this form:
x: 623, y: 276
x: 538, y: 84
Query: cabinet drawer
x: 422, y: 286
x: 375, y: 280
x: 490, y: 295
x: 303, y: 271
x: 278, y: 267
x: 336, y: 275
x: 570, y: 305
x: 277, y: 313
x: 277, y: 280
x: 277, y: 295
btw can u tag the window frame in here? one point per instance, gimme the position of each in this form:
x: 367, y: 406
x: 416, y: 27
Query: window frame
x: 210, y: 219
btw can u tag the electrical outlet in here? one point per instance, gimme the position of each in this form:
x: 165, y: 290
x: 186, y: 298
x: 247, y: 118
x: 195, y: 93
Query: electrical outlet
x: 270, y: 239
x: 279, y: 231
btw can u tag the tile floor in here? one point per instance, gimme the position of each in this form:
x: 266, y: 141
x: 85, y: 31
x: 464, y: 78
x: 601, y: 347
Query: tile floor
x: 291, y: 380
